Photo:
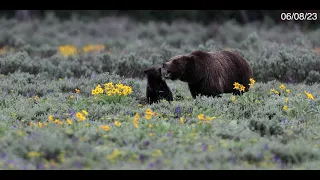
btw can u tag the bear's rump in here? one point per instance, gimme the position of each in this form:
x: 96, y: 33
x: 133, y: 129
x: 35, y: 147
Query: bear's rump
x: 233, y: 68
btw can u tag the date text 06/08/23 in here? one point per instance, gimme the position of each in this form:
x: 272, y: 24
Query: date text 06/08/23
x: 299, y: 16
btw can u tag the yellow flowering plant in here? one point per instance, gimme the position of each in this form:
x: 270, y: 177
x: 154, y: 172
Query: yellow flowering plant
x: 303, y: 105
x: 6, y: 49
x: 247, y: 97
x: 68, y: 50
x: 205, y: 116
x: 111, y: 93
x: 72, y: 50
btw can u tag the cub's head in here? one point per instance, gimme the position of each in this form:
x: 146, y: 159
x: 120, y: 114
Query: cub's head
x: 153, y: 72
x: 176, y: 67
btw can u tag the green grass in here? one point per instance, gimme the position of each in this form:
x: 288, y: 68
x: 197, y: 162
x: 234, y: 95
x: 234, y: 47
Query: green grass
x: 253, y: 132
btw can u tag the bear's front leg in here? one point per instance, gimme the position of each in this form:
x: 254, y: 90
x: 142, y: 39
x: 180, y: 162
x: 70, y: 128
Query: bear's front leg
x: 194, y: 90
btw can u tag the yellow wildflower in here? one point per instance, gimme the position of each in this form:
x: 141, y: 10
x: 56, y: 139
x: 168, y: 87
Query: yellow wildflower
x: 182, y: 120
x: 119, y: 85
x: 84, y: 112
x: 108, y: 86
x: 117, y: 123
x: 252, y: 82
x: 285, y: 107
x: 114, y: 91
x: 31, y: 123
x: 106, y: 127
x: 58, y: 122
x: 69, y: 121
x: 150, y: 125
x: 93, y: 48
x: 32, y: 154
x: 50, y: 118
x: 288, y: 91
x: 274, y: 91
x: 137, y: 116
x: 148, y: 117
x: 287, y: 99
x: 109, y: 93
x: 40, y: 124
x: 80, y: 116
x: 309, y: 95
x: 6, y: 49
x: 242, y: 88
x: 67, y: 50
x: 77, y: 90
x: 233, y: 98
x: 150, y: 134
x: 97, y: 90
x: 87, y: 125
x: 157, y: 153
x: 236, y: 85
x: 135, y: 120
x: 93, y: 92
x: 201, y: 117
x: 136, y: 124
x: 210, y: 118
x: 36, y: 97
x: 282, y: 86
x: 127, y: 91
x: 150, y: 112
x: 115, y: 154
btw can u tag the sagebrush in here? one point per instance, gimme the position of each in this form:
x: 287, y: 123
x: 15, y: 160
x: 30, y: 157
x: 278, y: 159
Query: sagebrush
x: 58, y: 109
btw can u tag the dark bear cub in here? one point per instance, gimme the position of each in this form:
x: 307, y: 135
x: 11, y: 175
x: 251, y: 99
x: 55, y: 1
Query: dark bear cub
x: 157, y: 88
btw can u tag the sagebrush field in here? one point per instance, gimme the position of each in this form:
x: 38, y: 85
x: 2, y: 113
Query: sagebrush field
x: 71, y: 97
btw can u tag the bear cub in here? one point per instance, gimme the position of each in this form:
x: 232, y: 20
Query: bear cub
x: 157, y: 88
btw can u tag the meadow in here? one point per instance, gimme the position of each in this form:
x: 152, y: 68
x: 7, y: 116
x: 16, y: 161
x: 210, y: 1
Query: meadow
x: 71, y: 96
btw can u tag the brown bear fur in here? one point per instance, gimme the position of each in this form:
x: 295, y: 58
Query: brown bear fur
x: 157, y: 88
x: 209, y: 73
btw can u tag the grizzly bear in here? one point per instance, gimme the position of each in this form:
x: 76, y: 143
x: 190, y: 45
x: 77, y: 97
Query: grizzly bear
x: 209, y: 73
x: 157, y: 88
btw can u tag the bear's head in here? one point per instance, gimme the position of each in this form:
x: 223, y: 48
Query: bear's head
x: 176, y: 67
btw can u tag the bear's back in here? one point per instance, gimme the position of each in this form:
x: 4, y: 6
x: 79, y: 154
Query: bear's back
x: 224, y: 68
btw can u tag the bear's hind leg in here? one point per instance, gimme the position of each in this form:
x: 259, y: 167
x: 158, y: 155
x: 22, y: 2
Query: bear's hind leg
x: 246, y: 82
x: 236, y: 92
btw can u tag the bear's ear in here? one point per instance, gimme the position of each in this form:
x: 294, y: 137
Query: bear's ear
x: 145, y: 71
x: 189, y: 58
